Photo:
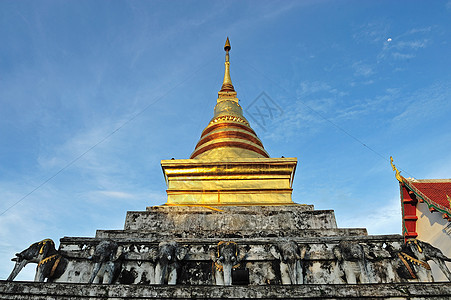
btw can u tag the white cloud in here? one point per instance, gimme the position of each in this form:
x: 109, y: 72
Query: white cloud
x: 412, y: 45
x: 362, y: 69
x: 425, y: 103
x: 116, y: 194
x: 400, y: 47
x: 18, y: 226
x: 419, y: 30
x: 440, y: 169
x: 385, y: 219
x: 305, y: 114
x: 308, y: 88
x: 373, y: 32
x: 405, y: 45
x: 398, y: 55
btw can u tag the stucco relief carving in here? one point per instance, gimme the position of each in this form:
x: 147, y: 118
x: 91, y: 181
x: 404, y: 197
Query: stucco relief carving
x: 169, y: 256
x: 226, y: 257
x: 411, y: 261
x: 107, y: 257
x: 286, y: 262
x: 139, y: 265
x: 351, y: 260
x: 291, y: 256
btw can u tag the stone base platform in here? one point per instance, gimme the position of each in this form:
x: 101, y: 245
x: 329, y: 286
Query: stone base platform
x: 255, y: 230
x: 48, y: 291
x: 231, y: 221
x: 324, y: 257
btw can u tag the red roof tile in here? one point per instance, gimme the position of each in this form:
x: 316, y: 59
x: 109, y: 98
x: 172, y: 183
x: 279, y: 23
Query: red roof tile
x: 435, y: 190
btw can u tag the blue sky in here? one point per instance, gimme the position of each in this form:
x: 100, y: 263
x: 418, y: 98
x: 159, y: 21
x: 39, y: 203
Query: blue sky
x: 353, y: 83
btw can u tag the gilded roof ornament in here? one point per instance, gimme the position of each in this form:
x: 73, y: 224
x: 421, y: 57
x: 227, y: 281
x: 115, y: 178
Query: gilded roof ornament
x: 398, y: 173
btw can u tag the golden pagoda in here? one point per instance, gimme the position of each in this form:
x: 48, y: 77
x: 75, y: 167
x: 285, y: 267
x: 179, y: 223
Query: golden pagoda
x: 229, y: 165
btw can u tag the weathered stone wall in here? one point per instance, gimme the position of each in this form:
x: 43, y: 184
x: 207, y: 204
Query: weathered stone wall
x: 51, y: 291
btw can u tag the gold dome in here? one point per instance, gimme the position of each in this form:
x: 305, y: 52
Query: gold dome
x: 228, y: 135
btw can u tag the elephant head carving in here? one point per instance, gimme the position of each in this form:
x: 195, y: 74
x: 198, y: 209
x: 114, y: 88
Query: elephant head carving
x: 51, y: 264
x: 414, y: 256
x: 168, y: 258
x: 107, y: 262
x: 351, y: 260
x: 226, y: 258
x: 290, y: 255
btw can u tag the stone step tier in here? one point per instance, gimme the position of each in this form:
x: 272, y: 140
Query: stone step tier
x: 231, y: 221
x: 67, y: 291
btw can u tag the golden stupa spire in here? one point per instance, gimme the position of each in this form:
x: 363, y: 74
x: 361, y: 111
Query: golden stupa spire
x: 227, y: 85
x: 228, y: 135
x: 229, y: 165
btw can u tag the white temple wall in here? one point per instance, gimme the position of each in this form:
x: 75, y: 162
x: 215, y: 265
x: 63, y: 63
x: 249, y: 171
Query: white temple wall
x: 432, y: 228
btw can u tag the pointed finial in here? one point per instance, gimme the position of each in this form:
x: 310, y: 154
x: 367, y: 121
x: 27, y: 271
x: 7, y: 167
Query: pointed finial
x: 227, y: 85
x: 227, y: 46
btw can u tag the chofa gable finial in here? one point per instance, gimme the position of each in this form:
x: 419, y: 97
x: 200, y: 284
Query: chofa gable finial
x: 398, y: 173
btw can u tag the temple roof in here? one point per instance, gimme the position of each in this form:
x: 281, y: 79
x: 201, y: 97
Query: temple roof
x: 228, y: 135
x: 435, y: 192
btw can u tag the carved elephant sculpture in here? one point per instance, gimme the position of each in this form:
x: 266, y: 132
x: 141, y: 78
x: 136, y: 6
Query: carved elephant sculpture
x: 107, y: 258
x: 51, y: 264
x: 291, y: 266
x: 411, y: 261
x: 225, y: 259
x: 407, y: 266
x: 351, y: 260
x: 169, y: 256
x: 425, y: 252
